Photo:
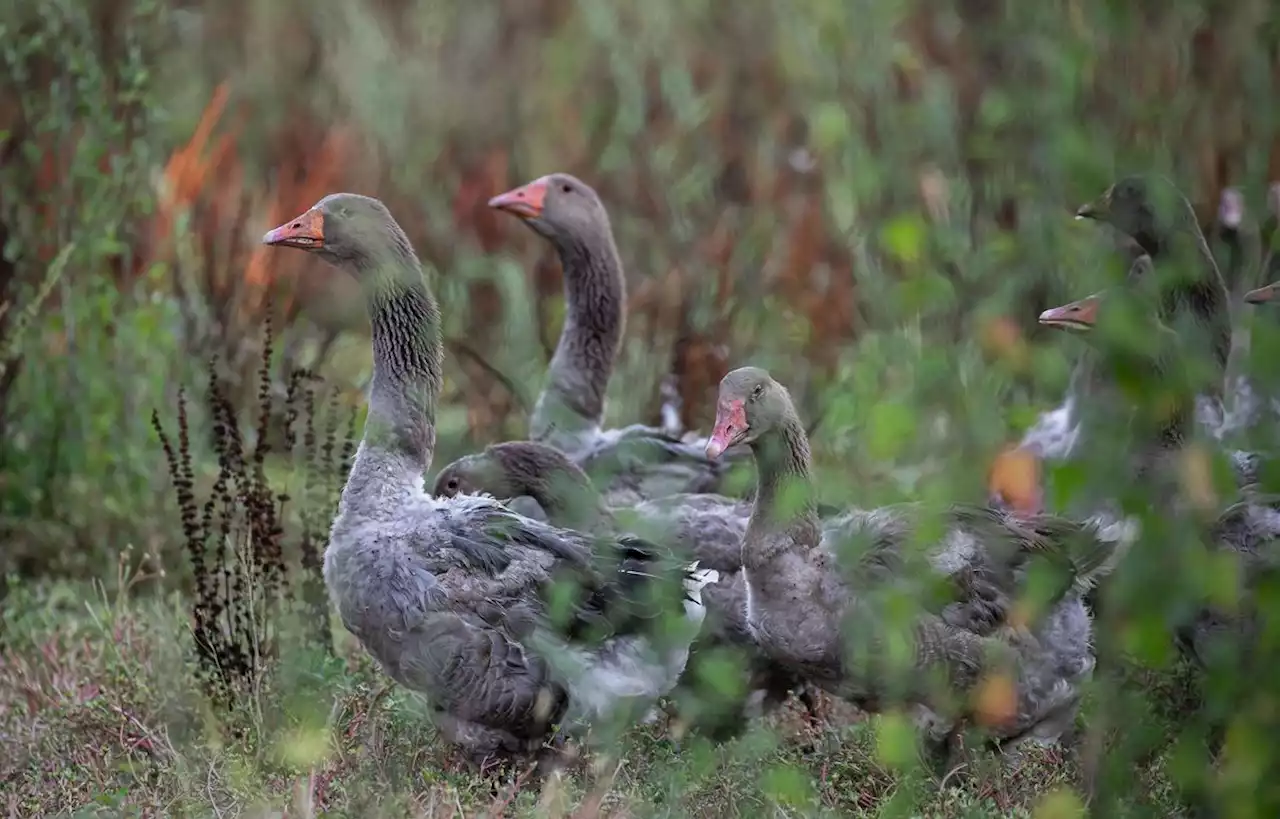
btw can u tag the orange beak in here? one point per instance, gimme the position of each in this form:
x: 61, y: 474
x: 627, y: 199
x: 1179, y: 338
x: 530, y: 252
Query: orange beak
x: 1263, y: 294
x: 525, y: 201
x: 306, y: 232
x: 731, y: 425
x: 1078, y: 315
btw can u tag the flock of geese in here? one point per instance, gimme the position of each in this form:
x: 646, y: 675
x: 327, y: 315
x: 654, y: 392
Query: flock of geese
x: 520, y: 629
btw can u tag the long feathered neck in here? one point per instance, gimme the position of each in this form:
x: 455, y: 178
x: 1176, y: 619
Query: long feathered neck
x: 563, y: 490
x: 785, y: 514
x: 1205, y: 295
x: 1190, y: 321
x: 399, y: 433
x: 1203, y: 304
x: 1195, y: 312
x: 595, y: 318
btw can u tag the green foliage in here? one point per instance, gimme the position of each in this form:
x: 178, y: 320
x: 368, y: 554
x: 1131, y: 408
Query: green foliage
x: 849, y: 193
x: 251, y: 569
x: 78, y: 465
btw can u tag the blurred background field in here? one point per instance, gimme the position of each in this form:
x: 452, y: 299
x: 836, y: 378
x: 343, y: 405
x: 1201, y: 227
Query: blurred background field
x: 873, y: 199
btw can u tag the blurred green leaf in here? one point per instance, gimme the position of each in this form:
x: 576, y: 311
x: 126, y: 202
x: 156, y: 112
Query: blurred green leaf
x: 1059, y: 804
x: 830, y: 125
x: 889, y: 427
x: 904, y: 238
x: 787, y: 784
x: 895, y: 741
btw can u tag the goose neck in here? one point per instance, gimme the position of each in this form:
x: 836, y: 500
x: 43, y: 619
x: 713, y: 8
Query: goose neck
x: 405, y: 323
x: 595, y: 317
x: 570, y: 500
x: 785, y: 511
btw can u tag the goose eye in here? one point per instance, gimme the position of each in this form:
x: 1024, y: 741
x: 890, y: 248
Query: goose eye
x: 452, y: 485
x: 757, y: 392
x: 566, y: 187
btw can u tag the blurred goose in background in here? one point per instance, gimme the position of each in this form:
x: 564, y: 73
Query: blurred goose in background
x: 1161, y: 227
x: 635, y: 462
x: 830, y: 625
x: 1254, y: 251
x: 452, y: 597
x: 1152, y: 210
x: 1247, y: 528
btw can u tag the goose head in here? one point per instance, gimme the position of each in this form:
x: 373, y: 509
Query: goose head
x: 509, y: 469
x: 1079, y: 316
x: 1147, y: 207
x: 749, y: 405
x: 559, y: 207
x: 471, y: 475
x: 347, y: 230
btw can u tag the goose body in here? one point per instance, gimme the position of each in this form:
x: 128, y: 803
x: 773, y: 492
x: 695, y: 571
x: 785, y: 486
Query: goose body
x: 805, y: 612
x: 452, y: 596
x: 1173, y: 269
x: 704, y: 526
x: 1182, y: 293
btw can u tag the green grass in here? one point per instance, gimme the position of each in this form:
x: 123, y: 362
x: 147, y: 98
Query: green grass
x: 101, y: 715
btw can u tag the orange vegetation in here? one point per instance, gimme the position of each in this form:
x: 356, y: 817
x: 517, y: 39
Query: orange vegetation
x: 205, y: 179
x: 1014, y: 479
x: 996, y: 700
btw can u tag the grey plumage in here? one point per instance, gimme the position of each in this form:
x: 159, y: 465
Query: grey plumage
x: 706, y: 527
x: 457, y: 599
x: 817, y: 605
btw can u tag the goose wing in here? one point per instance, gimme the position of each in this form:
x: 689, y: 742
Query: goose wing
x: 654, y: 463
x: 583, y: 584
x: 1036, y: 559
x: 488, y: 690
x: 990, y: 559
x: 705, y: 527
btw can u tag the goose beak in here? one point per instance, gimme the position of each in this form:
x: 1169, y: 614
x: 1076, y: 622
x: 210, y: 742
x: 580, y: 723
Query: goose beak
x: 306, y: 232
x: 731, y: 426
x: 1098, y: 209
x: 1078, y: 315
x: 1262, y: 294
x: 525, y: 201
